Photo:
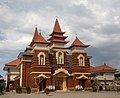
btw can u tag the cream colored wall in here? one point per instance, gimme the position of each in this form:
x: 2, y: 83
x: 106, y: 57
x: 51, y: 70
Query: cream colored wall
x: 13, y: 73
x: 106, y: 76
x: 109, y: 76
x: 12, y: 77
x: 21, y: 67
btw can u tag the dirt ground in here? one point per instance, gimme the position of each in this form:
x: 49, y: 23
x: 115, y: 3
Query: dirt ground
x: 67, y: 94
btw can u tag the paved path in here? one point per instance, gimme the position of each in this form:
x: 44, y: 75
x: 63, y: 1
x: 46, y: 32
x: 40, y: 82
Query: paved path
x: 70, y: 94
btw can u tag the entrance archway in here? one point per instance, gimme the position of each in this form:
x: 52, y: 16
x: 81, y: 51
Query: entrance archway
x: 82, y: 80
x: 60, y: 79
x: 41, y: 82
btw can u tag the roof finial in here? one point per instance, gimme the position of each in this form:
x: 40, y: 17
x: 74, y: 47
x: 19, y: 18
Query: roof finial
x: 36, y: 26
x: 76, y: 35
x: 104, y: 63
x: 56, y: 17
x: 39, y: 32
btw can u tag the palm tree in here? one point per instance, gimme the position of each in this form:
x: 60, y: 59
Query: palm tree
x: 95, y: 85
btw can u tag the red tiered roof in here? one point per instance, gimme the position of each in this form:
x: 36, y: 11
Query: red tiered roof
x: 13, y: 63
x: 78, y: 43
x: 38, y: 38
x: 57, y: 34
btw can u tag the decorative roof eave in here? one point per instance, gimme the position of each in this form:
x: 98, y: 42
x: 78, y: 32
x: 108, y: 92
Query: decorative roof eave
x: 62, y: 37
x: 60, y: 42
x: 28, y: 48
x: 23, y: 53
x: 61, y: 33
x: 85, y: 46
x: 59, y: 70
x: 82, y: 77
x: 31, y: 44
x: 5, y: 68
x: 42, y: 76
x: 59, y: 48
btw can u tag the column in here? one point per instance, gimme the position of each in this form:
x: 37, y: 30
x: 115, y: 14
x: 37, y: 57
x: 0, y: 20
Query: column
x: 64, y: 84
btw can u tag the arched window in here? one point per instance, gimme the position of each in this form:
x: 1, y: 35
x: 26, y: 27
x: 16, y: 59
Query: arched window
x: 41, y: 60
x: 81, y: 61
x: 60, y: 59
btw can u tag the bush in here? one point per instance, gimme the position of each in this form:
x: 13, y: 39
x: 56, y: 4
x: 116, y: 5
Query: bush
x: 47, y: 91
x: 28, y: 89
x: 18, y: 89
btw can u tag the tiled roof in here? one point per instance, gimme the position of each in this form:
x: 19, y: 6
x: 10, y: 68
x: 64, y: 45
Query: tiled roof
x: 35, y: 34
x: 38, y: 38
x: 101, y: 68
x: 92, y: 69
x: 13, y: 63
x: 78, y: 43
x: 57, y: 27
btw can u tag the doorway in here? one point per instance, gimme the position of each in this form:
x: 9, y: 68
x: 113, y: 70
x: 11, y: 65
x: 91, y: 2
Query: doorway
x: 58, y: 85
x: 41, y: 83
x: 82, y: 82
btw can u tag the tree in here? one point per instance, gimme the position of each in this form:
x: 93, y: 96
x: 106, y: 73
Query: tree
x: 95, y: 85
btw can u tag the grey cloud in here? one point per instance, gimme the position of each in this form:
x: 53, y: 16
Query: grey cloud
x: 110, y: 28
x: 2, y: 36
x: 93, y: 23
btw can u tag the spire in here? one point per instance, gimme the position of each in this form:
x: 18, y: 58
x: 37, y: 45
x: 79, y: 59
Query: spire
x: 35, y: 34
x: 57, y: 26
x: 38, y: 38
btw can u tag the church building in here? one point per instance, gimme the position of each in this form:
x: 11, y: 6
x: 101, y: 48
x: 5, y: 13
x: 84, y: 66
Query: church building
x: 49, y: 64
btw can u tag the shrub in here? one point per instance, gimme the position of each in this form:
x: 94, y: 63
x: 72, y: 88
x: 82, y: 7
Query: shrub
x: 18, y: 89
x: 47, y: 91
x: 28, y: 89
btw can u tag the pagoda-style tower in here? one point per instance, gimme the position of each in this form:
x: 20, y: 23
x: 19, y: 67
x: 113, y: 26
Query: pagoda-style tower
x: 57, y: 46
x: 60, y: 66
x: 80, y: 62
x: 57, y: 39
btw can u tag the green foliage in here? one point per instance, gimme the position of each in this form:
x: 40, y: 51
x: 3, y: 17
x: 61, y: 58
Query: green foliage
x: 118, y: 89
x: 94, y: 85
x: 28, y: 89
x: 18, y: 89
x: 2, y: 85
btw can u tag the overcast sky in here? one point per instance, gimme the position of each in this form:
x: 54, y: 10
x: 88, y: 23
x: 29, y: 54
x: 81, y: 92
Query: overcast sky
x: 95, y: 22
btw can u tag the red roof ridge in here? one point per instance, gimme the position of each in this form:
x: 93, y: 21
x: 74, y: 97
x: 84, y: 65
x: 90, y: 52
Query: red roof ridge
x: 35, y: 34
x: 78, y: 43
x: 14, y: 62
x: 104, y: 67
x: 38, y: 38
x: 57, y: 26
